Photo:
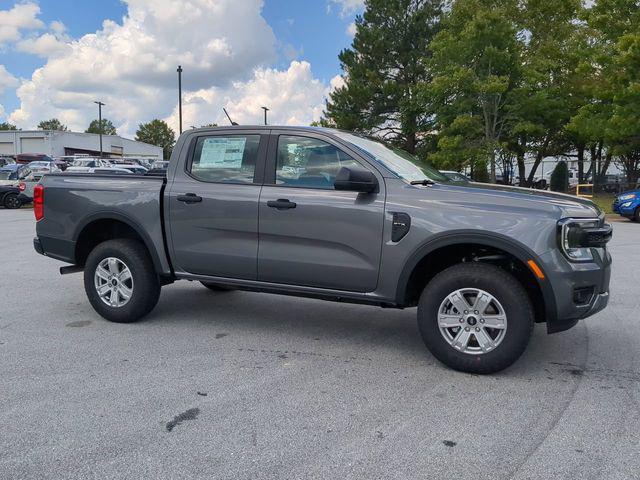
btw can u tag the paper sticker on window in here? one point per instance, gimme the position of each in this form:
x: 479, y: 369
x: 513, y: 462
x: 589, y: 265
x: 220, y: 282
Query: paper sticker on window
x: 222, y: 153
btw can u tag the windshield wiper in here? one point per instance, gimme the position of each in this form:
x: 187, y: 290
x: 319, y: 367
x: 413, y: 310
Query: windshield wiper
x: 426, y: 182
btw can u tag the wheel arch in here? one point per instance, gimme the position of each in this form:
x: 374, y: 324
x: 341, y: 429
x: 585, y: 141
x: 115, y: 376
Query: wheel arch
x: 444, y: 250
x: 103, y: 226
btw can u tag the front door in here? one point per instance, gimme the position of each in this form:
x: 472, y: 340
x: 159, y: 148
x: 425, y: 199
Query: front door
x: 311, y: 234
x: 213, y: 205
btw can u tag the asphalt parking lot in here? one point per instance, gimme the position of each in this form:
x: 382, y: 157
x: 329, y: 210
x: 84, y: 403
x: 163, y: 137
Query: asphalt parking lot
x: 252, y: 386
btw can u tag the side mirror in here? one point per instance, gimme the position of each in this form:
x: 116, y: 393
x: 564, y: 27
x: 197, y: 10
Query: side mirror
x: 356, y: 180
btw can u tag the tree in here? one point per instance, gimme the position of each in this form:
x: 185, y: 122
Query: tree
x: 7, y: 126
x: 52, y: 124
x: 549, y: 35
x: 560, y: 178
x: 383, y: 68
x: 158, y: 133
x: 476, y: 68
x: 107, y: 127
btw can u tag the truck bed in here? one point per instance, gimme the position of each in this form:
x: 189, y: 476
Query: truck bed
x: 73, y: 201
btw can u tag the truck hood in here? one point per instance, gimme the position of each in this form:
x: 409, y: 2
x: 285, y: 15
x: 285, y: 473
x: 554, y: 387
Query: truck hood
x: 567, y: 205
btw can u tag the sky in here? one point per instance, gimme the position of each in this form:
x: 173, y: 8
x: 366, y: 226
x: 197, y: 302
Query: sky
x: 59, y: 56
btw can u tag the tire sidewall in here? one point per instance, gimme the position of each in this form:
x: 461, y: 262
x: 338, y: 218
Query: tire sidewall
x: 505, y: 288
x: 146, y: 287
x: 9, y: 199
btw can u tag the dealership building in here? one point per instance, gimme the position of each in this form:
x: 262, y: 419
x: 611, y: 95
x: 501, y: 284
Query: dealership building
x: 57, y: 144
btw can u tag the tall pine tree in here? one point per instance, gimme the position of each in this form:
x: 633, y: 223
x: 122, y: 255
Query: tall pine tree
x: 382, y: 70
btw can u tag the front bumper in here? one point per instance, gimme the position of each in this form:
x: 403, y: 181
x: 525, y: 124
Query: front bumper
x: 627, y: 211
x: 567, y: 278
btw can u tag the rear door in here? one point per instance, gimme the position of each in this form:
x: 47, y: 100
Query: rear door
x: 213, y: 204
x: 311, y: 234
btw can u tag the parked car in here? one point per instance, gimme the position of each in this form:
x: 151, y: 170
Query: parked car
x: 14, y: 197
x: 161, y: 164
x: 6, y: 161
x: 40, y: 167
x: 112, y: 170
x: 455, y: 176
x: 14, y: 173
x: 359, y: 223
x: 627, y: 204
x: 26, y: 158
x: 86, y: 165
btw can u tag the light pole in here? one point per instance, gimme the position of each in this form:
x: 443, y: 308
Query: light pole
x: 100, y: 105
x: 265, y: 114
x: 179, y: 70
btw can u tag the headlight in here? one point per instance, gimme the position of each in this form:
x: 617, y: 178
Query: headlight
x: 577, y: 236
x: 628, y: 196
x: 625, y: 204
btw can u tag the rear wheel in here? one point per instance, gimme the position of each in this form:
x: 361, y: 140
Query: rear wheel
x: 216, y: 287
x: 11, y: 200
x: 475, y: 318
x: 120, y: 280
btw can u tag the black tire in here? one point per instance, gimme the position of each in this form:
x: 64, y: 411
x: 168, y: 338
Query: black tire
x: 11, y: 201
x: 505, y: 289
x: 216, y: 287
x: 145, y: 286
x: 636, y: 215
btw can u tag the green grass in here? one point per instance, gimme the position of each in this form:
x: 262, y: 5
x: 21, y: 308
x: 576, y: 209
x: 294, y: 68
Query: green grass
x: 604, y: 201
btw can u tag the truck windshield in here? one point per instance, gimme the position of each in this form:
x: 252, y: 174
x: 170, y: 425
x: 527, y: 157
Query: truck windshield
x: 403, y: 164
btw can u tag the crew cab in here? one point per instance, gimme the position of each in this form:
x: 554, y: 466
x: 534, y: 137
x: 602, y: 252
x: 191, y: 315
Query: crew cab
x: 337, y: 216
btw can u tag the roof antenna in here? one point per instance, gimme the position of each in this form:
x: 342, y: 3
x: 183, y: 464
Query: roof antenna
x: 225, y: 112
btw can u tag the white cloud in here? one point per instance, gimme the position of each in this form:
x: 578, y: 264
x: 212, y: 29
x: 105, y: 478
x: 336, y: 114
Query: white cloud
x: 23, y: 16
x: 132, y: 66
x: 293, y: 96
x: 346, y: 7
x: 351, y: 29
x: 46, y: 45
x: 6, y: 79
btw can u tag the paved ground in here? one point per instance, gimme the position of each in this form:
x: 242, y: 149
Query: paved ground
x: 241, y: 385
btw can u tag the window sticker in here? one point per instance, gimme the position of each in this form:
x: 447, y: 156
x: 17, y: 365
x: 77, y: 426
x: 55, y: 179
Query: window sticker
x: 222, y: 153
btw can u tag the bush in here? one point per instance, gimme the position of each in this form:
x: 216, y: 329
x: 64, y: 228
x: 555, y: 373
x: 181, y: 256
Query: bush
x: 560, y: 178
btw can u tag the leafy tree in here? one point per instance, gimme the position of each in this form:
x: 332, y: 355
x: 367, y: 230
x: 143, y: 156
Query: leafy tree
x: 158, y: 133
x: 476, y: 65
x: 546, y: 96
x: 52, y: 124
x: 7, y: 126
x: 560, y: 178
x: 383, y: 69
x: 107, y: 127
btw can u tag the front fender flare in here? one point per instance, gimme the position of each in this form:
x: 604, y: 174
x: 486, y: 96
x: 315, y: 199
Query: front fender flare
x: 495, y: 240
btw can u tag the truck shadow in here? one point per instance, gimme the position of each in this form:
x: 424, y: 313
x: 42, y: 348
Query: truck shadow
x: 366, y: 331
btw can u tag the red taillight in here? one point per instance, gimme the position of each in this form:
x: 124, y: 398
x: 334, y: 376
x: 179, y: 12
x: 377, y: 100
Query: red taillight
x: 38, y: 202
x: 22, y: 186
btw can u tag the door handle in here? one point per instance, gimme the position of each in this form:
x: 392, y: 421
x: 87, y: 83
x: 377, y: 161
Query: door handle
x: 281, y: 204
x: 189, y: 198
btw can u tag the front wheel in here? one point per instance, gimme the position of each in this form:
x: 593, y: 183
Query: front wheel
x: 12, y: 201
x: 475, y: 318
x: 120, y: 280
x: 636, y: 215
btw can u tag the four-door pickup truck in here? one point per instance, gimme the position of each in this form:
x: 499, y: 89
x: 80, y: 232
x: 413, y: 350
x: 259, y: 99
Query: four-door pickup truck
x: 332, y: 215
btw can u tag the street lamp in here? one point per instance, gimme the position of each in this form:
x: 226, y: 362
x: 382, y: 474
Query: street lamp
x: 100, y: 105
x: 179, y: 70
x: 265, y: 114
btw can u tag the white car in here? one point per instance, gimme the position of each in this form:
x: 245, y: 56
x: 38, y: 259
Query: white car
x: 87, y: 165
x: 39, y: 168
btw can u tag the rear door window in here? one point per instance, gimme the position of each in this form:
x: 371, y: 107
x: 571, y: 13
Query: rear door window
x: 225, y: 158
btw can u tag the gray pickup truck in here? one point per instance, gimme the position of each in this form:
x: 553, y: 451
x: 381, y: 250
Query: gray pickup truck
x: 333, y: 215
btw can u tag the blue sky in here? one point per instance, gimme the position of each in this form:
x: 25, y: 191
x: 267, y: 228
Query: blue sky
x: 308, y: 33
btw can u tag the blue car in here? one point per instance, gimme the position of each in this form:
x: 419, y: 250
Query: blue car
x: 627, y: 204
